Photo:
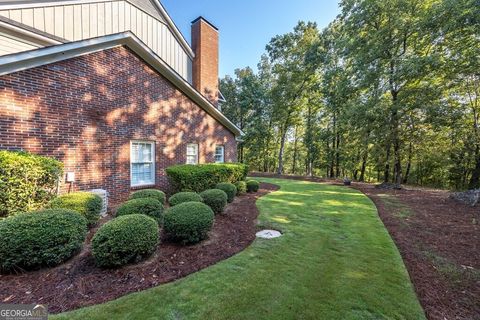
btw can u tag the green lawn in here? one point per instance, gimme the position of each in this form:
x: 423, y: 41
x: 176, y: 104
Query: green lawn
x: 335, y: 261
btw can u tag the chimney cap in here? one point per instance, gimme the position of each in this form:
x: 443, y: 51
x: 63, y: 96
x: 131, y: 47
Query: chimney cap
x: 205, y: 20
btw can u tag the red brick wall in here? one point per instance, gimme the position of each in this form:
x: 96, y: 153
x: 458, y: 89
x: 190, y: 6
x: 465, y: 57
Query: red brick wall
x: 85, y: 111
x: 205, y: 63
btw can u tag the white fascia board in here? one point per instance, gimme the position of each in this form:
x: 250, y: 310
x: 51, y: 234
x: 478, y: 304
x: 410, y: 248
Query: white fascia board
x: 175, y: 29
x: 35, y: 58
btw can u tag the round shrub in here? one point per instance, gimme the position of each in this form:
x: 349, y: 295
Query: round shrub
x: 188, y: 222
x: 86, y: 203
x: 253, y: 185
x: 42, y: 238
x: 182, y: 197
x: 147, y: 206
x: 149, y: 193
x: 229, y: 189
x: 241, y: 187
x: 123, y: 240
x: 215, y: 199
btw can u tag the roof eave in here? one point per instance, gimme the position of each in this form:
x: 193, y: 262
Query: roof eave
x: 175, y: 29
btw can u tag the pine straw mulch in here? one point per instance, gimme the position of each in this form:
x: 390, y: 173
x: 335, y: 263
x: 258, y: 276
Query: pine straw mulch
x: 79, y: 283
x: 439, y: 240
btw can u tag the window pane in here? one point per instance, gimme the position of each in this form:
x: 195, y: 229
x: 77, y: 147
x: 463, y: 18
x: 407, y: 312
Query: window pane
x: 134, y: 152
x: 219, y: 154
x: 191, y: 149
x: 191, y: 159
x: 142, y: 173
x: 142, y: 163
x: 146, y: 153
x: 192, y: 154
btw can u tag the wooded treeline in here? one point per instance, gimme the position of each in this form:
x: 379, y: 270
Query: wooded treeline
x: 388, y: 92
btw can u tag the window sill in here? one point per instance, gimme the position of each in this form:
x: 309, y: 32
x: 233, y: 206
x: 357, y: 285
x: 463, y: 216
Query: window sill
x: 142, y: 186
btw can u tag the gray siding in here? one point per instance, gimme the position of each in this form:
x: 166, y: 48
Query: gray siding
x: 10, y: 44
x: 75, y: 22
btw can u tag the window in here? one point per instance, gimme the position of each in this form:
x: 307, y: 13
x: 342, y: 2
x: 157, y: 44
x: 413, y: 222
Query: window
x: 219, y: 154
x: 192, y: 153
x: 142, y: 163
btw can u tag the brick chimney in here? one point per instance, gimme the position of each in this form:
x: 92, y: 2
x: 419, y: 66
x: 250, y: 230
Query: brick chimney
x: 205, y: 63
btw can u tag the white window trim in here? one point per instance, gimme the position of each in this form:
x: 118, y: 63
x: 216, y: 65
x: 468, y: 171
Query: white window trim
x: 197, y: 152
x: 223, y: 153
x: 153, y: 164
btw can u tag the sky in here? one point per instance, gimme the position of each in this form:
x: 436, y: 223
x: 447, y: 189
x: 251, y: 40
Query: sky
x: 246, y: 26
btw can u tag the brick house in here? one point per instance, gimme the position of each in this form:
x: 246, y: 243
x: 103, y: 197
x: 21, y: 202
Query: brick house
x: 112, y: 89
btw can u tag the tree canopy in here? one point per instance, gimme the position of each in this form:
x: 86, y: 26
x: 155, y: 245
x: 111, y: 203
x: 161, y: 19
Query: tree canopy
x: 388, y: 92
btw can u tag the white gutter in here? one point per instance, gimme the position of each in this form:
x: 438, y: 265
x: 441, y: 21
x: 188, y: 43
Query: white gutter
x: 32, y: 35
x: 30, y: 59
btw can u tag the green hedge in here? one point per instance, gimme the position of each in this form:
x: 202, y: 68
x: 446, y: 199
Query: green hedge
x: 241, y: 187
x: 87, y: 204
x: 146, y: 206
x: 198, y: 178
x: 215, y: 199
x: 149, y: 193
x: 229, y: 189
x: 124, y: 240
x: 188, y: 222
x: 27, y: 181
x: 253, y: 185
x: 38, y: 239
x: 182, y: 197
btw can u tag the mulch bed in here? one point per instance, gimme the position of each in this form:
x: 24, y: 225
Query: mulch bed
x: 440, y: 245
x: 79, y: 283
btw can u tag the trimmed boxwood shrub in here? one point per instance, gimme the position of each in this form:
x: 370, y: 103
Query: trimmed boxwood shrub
x: 215, y: 199
x: 241, y: 187
x: 182, y: 197
x: 123, y: 240
x: 146, y: 206
x: 27, y: 181
x: 87, y: 204
x: 253, y: 185
x: 38, y: 239
x: 149, y: 193
x: 229, y: 189
x: 201, y: 177
x: 188, y: 222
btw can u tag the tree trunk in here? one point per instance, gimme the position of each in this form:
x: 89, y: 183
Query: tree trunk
x: 295, y: 144
x: 240, y: 153
x: 386, y: 175
x: 409, y: 163
x: 394, y: 128
x: 397, y: 169
x: 280, y: 152
x: 309, y: 168
x: 337, y: 157
x: 332, y: 160
x: 364, y: 167
x: 475, y: 178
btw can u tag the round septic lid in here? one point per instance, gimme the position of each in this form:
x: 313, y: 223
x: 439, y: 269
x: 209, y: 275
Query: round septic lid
x: 268, y: 234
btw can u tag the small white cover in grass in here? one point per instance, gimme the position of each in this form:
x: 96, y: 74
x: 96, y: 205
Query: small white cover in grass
x: 268, y: 234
